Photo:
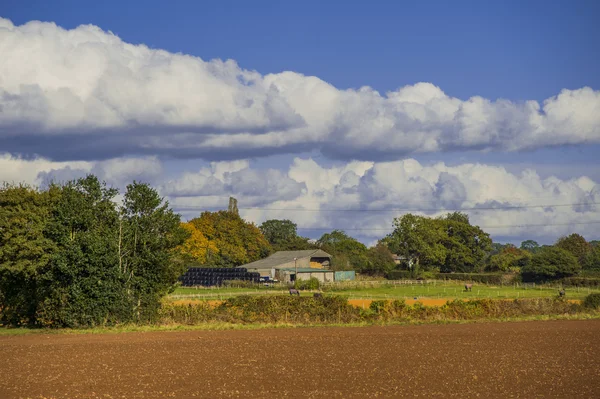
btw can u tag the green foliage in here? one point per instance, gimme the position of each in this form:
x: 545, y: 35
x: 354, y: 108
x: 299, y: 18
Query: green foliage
x: 530, y: 246
x: 347, y: 252
x: 419, y: 239
x: 380, y: 261
x: 336, y: 309
x: 71, y: 258
x: 283, y: 235
x: 450, y: 243
x: 550, y: 263
x: 238, y: 242
x: 592, y: 259
x: 592, y: 301
x: 399, y: 275
x: 310, y: 284
x: 580, y: 282
x: 508, y: 259
x: 290, y: 309
x: 576, y: 245
x: 24, y: 250
x: 466, y: 245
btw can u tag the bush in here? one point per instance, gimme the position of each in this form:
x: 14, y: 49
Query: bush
x: 399, y: 275
x: 580, y: 282
x: 592, y: 301
x: 310, y: 284
x: 550, y: 263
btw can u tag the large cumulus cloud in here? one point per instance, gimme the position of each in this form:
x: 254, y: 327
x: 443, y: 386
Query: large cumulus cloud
x: 86, y: 94
x: 364, y: 197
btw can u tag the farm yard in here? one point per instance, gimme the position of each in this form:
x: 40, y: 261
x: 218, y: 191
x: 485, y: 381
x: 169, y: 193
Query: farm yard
x: 497, y: 360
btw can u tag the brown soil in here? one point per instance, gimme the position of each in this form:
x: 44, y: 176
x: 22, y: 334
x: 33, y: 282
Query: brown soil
x: 500, y: 360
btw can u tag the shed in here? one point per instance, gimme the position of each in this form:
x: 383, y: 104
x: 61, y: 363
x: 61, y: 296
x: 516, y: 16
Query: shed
x: 287, y: 275
x: 305, y: 259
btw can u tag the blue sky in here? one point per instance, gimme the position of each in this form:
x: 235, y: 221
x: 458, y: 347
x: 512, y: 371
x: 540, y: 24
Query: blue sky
x: 497, y: 49
x: 182, y: 128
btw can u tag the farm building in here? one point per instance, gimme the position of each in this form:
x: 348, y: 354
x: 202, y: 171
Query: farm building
x: 308, y: 259
x: 323, y: 275
x: 289, y: 274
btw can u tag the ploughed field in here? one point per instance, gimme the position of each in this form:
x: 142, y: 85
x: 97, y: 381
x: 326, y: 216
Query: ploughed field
x: 521, y: 359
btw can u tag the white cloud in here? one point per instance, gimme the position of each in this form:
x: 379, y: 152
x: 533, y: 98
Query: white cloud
x: 312, y: 195
x: 117, y: 172
x: 425, y: 189
x: 86, y: 94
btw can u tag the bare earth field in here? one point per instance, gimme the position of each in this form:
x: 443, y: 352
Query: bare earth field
x: 500, y: 360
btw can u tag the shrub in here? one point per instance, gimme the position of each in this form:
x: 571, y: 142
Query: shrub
x: 399, y: 275
x: 550, y: 263
x: 592, y: 301
x: 580, y: 282
x: 310, y: 284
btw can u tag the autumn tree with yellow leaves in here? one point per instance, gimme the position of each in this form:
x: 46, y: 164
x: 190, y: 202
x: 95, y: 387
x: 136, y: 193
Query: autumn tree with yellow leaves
x: 197, y: 247
x: 224, y: 239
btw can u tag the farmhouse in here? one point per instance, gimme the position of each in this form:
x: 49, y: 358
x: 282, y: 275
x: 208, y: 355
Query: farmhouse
x: 311, y: 259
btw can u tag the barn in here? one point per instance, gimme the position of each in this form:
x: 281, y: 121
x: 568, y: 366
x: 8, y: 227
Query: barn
x: 311, y: 259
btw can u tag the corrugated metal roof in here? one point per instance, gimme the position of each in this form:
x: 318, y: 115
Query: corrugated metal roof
x: 283, y: 257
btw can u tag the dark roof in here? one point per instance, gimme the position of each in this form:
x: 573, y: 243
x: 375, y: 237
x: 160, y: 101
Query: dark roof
x: 283, y: 257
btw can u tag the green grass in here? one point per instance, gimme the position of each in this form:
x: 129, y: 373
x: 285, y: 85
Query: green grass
x: 387, y: 291
x: 220, y: 326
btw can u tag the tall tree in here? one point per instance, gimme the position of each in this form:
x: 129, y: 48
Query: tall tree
x: 530, y: 245
x: 283, y: 235
x: 80, y: 285
x: 197, y: 248
x: 466, y: 245
x: 24, y: 251
x: 238, y: 242
x: 347, y: 252
x: 575, y: 244
x: 419, y: 239
x: 381, y: 260
x: 150, y: 232
x: 592, y: 260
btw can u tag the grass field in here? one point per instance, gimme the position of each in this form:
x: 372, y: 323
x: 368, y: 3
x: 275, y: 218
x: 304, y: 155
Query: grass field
x: 389, y: 291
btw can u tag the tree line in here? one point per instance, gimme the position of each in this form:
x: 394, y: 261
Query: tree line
x: 72, y: 255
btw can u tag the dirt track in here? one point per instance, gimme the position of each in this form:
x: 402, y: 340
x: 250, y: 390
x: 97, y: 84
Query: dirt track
x: 528, y: 359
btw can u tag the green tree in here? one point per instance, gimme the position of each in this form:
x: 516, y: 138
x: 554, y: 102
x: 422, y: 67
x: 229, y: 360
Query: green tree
x: 24, y: 251
x: 466, y: 245
x: 509, y: 257
x: 238, y: 242
x: 575, y: 244
x: 149, y: 234
x: 381, y: 260
x: 80, y: 285
x: 592, y: 260
x: 419, y: 239
x: 551, y: 263
x: 283, y: 235
x: 347, y: 252
x: 530, y: 245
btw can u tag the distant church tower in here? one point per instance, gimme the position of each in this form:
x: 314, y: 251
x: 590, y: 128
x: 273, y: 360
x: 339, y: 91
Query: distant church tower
x: 233, y: 206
